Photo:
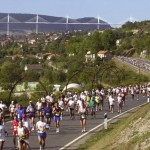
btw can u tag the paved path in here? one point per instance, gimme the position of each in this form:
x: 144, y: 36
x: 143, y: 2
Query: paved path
x: 70, y: 129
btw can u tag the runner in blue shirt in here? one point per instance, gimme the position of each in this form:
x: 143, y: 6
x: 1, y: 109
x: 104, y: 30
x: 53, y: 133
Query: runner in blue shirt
x: 48, y: 115
x: 20, y: 112
x: 31, y: 113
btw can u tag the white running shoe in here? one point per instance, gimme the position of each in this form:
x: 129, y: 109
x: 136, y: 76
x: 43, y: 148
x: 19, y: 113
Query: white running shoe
x: 56, y: 130
x: 40, y: 147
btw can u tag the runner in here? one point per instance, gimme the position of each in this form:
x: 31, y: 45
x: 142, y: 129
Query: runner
x: 31, y: 112
x: 23, y: 137
x: 57, y: 113
x: 132, y: 92
x: 39, y: 108
x: 2, y: 115
x: 26, y: 123
x: 137, y: 91
x: 20, y: 112
x: 97, y: 99
x: 82, y: 113
x: 120, y: 103
x: 88, y: 104
x: 123, y: 95
x: 48, y: 115
x: 2, y: 135
x: 15, y: 126
x: 61, y: 105
x: 93, y: 106
x: 111, y: 103
x: 101, y: 95
x: 71, y: 106
x: 3, y: 108
x: 43, y: 100
x: 12, y: 110
x: 40, y: 127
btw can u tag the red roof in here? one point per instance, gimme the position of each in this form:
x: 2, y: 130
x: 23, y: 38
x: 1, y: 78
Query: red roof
x: 102, y: 52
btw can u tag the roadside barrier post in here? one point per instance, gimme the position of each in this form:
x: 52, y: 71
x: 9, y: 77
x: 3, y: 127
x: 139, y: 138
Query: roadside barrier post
x: 148, y: 96
x: 105, y: 121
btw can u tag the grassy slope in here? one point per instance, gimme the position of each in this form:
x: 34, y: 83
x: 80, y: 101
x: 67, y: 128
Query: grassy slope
x: 129, y: 133
x: 120, y: 64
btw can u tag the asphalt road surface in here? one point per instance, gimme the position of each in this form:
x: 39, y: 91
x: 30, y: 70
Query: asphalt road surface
x: 70, y: 129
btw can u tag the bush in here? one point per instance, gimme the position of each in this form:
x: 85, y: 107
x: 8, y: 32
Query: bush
x: 4, y: 97
x: 22, y: 99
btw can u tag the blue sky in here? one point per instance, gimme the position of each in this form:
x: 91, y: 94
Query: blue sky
x: 112, y: 11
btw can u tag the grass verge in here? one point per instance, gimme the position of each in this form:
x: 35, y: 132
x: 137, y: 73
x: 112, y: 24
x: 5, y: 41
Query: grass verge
x: 107, y: 139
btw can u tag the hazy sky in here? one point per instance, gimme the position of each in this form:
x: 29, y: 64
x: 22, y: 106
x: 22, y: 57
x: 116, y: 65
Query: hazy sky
x: 112, y: 11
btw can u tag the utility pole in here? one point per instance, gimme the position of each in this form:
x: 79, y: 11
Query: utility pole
x: 37, y: 21
x: 105, y: 121
x: 8, y: 20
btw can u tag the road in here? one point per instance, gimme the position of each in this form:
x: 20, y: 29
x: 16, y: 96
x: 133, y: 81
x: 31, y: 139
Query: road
x: 70, y: 129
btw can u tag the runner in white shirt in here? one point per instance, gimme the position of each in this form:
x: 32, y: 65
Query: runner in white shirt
x: 62, y: 106
x: 41, y: 129
x: 120, y: 103
x: 83, y: 96
x: 2, y: 135
x: 111, y: 103
x: 71, y: 106
x: 39, y: 108
x: 23, y: 136
x: 48, y: 98
x: 26, y: 123
x: 12, y: 110
x: 3, y: 107
x: 82, y: 113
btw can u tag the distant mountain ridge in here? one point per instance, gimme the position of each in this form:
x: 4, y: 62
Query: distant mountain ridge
x: 26, y: 23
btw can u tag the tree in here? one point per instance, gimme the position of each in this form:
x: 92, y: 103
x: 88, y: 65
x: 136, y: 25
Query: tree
x: 11, y: 75
x: 108, y: 39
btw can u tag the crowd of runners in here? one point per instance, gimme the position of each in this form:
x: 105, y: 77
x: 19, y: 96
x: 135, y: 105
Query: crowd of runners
x: 38, y: 116
x: 139, y: 63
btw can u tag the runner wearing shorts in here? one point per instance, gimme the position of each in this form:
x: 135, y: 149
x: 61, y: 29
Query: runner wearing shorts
x: 31, y: 112
x: 23, y: 136
x: 2, y: 135
x: 12, y: 110
x: 57, y: 113
x: 48, y: 115
x: 41, y: 130
x: 39, y: 108
x: 15, y: 126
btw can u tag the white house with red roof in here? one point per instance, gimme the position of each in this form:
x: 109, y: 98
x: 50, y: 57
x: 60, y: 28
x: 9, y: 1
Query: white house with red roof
x: 104, y: 54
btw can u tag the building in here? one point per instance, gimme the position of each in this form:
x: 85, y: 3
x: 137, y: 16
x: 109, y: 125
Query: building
x: 104, y: 54
x: 34, y: 67
x: 89, y: 57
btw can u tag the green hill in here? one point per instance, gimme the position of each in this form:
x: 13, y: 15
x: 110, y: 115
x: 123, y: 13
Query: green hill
x: 131, y: 132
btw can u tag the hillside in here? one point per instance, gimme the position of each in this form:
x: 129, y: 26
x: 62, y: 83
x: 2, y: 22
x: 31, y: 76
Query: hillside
x: 131, y: 132
x: 26, y: 23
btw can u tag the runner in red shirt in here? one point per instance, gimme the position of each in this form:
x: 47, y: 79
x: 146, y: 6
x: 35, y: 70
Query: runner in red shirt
x: 15, y: 127
x: 123, y: 95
